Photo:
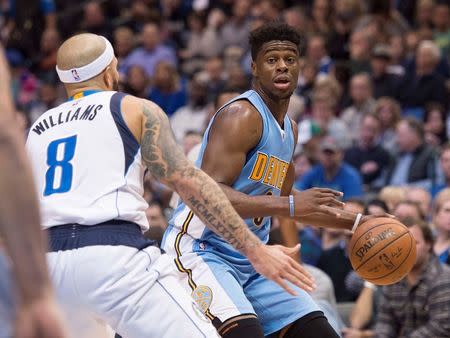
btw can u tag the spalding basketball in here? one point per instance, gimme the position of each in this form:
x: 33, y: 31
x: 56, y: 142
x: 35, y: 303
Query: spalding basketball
x: 382, y: 250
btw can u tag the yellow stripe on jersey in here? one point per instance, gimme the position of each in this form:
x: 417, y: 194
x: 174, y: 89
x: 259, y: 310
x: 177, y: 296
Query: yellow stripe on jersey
x: 178, y: 263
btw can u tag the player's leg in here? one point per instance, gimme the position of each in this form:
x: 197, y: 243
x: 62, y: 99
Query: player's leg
x: 137, y: 293
x: 277, y: 310
x: 215, y: 287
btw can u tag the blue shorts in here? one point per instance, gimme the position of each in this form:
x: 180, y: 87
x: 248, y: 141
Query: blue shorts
x: 226, y: 288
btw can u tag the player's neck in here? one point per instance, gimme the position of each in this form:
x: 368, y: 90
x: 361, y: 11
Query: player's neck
x: 278, y: 107
x: 74, y: 91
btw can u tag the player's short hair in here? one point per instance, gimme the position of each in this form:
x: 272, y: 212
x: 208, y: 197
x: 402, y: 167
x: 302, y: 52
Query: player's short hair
x: 273, y: 31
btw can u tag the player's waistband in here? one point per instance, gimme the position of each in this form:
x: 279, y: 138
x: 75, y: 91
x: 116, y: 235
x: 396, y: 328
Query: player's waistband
x: 114, y: 232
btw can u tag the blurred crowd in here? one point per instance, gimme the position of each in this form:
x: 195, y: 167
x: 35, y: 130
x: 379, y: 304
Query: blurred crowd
x: 372, y: 106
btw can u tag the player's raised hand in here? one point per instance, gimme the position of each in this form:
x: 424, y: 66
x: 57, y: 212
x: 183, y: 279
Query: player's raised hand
x: 310, y: 201
x: 275, y: 262
x: 39, y: 318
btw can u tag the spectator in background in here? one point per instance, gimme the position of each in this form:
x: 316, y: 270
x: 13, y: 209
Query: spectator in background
x: 235, y: 30
x: 441, y: 221
x: 317, y: 52
x: 338, y: 41
x: 191, y: 117
x: 168, y: 91
x: 94, y: 20
x: 408, y: 209
x: 26, y: 21
x: 137, y: 82
x: 321, y: 17
x: 151, y: 52
x: 124, y: 43
x: 444, y: 166
x: 441, y: 23
x: 422, y: 197
x: 418, y: 305
x: 203, y: 42
x: 214, y: 77
x: 367, y: 156
x: 384, y: 83
x: 306, y: 81
x: 362, y: 103
x: 332, y: 172
x: 156, y: 220
x: 417, y: 161
x: 46, y: 99
x: 388, y: 112
x: 423, y: 85
x: 326, y: 95
x: 398, y: 54
x: 376, y: 207
x: 190, y: 140
x: 392, y: 196
x: 360, y: 49
x: 45, y: 62
x: 296, y: 17
x: 424, y: 14
x: 435, y: 124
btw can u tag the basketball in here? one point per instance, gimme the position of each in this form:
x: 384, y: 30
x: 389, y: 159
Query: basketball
x: 382, y: 251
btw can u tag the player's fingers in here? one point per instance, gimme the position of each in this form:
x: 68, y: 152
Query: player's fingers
x: 330, y: 211
x: 332, y: 191
x: 298, y: 267
x: 331, y: 201
x: 299, y: 279
x: 281, y: 282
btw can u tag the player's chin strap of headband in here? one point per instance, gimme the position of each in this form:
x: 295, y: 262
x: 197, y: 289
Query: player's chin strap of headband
x: 90, y: 70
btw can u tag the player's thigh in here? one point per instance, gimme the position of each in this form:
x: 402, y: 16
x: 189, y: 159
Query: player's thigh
x: 274, y: 306
x: 214, y: 286
x: 137, y: 294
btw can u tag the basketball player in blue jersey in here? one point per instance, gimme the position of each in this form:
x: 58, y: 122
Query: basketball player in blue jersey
x: 89, y: 156
x: 36, y: 312
x: 248, y: 149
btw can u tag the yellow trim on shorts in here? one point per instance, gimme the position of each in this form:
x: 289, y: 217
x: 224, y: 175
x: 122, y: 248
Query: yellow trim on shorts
x: 180, y: 266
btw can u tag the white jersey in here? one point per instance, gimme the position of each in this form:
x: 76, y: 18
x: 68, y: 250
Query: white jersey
x: 87, y: 164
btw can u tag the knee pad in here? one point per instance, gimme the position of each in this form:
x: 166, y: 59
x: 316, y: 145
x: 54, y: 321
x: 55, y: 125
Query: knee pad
x: 242, y: 326
x: 313, y: 325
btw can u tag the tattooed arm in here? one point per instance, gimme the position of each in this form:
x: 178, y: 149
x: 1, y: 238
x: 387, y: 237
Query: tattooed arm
x: 167, y: 163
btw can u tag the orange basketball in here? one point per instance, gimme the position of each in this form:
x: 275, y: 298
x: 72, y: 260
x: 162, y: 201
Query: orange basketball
x: 382, y: 250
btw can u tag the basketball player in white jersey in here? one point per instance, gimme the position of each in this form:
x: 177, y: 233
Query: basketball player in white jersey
x: 89, y: 156
x: 37, y: 313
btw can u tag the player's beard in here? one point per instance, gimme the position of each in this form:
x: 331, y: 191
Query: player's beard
x: 116, y: 85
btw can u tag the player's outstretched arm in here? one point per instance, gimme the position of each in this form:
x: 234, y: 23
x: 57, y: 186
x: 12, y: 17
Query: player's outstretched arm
x: 19, y: 225
x: 166, y: 162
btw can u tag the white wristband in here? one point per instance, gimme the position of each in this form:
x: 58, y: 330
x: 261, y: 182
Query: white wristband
x: 370, y: 285
x: 355, y: 225
x: 291, y: 206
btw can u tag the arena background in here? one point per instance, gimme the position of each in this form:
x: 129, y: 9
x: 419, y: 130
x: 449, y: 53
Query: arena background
x: 373, y: 94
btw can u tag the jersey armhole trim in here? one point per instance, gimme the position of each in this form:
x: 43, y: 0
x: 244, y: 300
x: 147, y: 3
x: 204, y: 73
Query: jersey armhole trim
x: 130, y: 144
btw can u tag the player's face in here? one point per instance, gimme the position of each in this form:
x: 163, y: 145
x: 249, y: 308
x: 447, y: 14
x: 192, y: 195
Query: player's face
x: 276, y: 68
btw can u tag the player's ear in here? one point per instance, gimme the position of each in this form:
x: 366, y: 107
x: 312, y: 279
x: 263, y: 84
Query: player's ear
x: 108, y: 77
x: 254, y: 72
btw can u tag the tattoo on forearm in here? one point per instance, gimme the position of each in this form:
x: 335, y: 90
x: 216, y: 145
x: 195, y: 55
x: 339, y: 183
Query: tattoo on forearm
x: 166, y: 161
x: 159, y: 150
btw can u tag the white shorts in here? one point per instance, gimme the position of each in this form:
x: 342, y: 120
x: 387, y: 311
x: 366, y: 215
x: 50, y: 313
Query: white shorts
x: 134, y: 291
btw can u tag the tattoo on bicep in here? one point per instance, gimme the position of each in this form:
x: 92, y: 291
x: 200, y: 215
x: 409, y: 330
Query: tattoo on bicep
x: 159, y: 150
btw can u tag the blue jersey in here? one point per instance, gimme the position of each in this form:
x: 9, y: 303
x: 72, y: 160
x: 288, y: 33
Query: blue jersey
x: 263, y: 173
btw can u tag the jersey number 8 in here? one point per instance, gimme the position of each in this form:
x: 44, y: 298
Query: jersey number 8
x: 60, y: 167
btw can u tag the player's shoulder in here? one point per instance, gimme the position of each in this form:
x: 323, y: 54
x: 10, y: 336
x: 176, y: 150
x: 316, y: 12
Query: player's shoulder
x: 135, y: 105
x: 240, y: 111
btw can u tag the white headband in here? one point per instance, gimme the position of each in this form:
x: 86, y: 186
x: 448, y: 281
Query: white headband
x: 90, y: 70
